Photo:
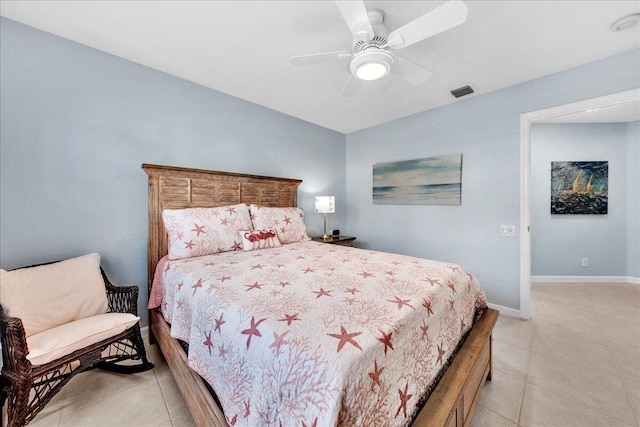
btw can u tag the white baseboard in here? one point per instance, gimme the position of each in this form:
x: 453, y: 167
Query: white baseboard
x: 585, y: 279
x: 144, y: 331
x: 507, y: 311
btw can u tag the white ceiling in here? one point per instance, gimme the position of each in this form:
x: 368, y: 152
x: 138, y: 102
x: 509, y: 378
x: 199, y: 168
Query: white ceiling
x: 243, y: 47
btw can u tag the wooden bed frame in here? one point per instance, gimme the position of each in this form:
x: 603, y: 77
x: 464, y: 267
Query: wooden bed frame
x: 452, y: 402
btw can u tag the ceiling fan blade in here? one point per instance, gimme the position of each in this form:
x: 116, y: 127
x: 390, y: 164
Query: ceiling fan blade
x: 351, y: 87
x: 445, y: 17
x: 411, y: 72
x: 357, y: 18
x: 317, y: 58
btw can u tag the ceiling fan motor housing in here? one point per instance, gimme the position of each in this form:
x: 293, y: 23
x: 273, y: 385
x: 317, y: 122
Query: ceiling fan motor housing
x: 381, y: 33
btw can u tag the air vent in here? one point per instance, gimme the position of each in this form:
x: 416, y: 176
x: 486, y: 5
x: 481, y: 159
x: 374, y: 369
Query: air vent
x: 462, y: 91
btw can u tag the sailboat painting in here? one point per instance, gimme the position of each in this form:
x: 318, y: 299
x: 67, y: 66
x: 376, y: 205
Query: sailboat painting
x: 428, y: 181
x: 579, y: 188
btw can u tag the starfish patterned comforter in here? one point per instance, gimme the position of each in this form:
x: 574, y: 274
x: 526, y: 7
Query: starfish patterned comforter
x: 311, y: 334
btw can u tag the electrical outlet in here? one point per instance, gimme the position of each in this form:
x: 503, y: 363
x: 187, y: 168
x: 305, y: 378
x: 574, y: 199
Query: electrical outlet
x: 508, y: 230
x: 585, y: 262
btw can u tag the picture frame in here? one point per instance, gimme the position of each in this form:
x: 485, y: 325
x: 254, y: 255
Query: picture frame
x: 580, y: 188
x: 425, y: 181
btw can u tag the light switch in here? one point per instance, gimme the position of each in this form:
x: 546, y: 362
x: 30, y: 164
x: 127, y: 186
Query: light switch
x: 508, y: 230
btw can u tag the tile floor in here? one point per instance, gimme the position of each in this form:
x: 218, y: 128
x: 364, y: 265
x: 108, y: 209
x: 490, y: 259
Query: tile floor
x: 576, y: 363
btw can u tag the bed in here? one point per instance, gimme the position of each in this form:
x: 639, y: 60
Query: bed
x: 451, y: 402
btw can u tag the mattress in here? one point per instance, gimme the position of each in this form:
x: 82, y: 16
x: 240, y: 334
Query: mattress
x: 317, y: 334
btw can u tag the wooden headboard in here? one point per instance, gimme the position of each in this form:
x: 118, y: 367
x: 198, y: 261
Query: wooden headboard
x: 179, y: 188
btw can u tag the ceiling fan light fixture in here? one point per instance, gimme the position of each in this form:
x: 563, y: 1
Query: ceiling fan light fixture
x: 370, y: 71
x: 371, y: 65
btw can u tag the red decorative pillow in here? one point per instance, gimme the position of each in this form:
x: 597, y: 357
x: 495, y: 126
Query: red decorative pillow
x: 288, y: 222
x: 205, y: 231
x: 259, y: 239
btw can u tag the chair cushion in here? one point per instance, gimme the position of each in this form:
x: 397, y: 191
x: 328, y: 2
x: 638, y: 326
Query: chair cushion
x: 62, y: 340
x: 50, y: 295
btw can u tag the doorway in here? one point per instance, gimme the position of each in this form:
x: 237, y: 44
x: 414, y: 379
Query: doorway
x: 526, y: 120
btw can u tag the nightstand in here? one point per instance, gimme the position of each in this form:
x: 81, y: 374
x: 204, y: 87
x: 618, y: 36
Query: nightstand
x: 336, y: 240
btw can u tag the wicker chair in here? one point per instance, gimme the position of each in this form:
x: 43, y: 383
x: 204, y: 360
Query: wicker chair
x: 28, y: 388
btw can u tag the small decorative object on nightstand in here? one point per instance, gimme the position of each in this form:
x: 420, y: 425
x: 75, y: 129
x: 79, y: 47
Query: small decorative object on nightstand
x: 325, y: 205
x: 336, y: 240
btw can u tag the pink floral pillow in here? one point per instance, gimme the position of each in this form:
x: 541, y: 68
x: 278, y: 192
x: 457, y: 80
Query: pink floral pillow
x: 288, y: 222
x: 205, y: 231
x: 259, y: 239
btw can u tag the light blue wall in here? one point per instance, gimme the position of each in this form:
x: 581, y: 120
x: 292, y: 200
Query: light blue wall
x: 633, y: 199
x: 485, y: 129
x: 77, y: 124
x: 559, y: 242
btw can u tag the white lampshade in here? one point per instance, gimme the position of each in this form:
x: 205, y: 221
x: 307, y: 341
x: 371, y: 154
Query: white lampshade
x: 325, y: 204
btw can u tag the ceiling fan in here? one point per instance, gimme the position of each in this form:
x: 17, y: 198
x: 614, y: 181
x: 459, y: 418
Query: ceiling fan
x: 371, y: 54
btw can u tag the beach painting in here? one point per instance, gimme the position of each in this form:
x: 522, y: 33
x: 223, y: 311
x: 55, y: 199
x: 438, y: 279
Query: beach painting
x: 579, y: 188
x: 428, y: 181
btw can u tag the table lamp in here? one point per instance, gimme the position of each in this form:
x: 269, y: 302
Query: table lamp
x: 325, y: 205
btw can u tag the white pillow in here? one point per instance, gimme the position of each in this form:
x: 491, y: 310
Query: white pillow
x: 288, y: 222
x: 205, y: 231
x: 51, y: 295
